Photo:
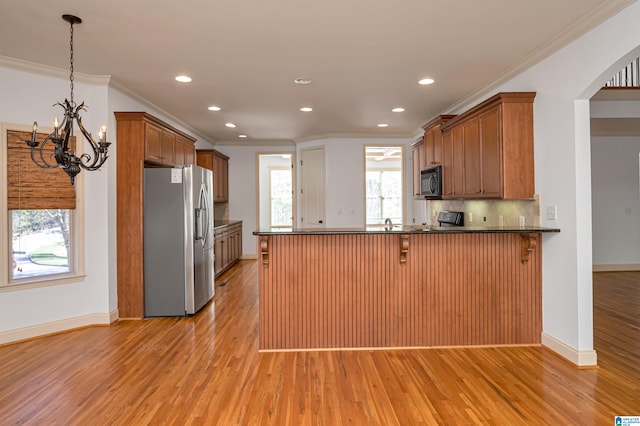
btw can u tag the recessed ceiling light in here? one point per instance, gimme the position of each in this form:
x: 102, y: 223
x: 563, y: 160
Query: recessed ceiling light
x: 183, y: 78
x: 426, y: 81
x: 230, y: 125
x: 214, y: 108
x: 306, y: 109
x: 242, y: 136
x: 383, y: 125
x: 398, y: 109
x: 302, y: 81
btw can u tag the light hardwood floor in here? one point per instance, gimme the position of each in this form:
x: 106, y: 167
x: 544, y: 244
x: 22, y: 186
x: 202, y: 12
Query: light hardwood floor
x: 206, y: 370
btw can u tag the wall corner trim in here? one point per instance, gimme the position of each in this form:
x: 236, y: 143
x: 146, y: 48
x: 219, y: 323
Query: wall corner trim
x: 587, y: 358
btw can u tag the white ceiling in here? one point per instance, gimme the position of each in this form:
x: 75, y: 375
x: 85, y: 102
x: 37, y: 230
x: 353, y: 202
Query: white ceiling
x: 363, y: 56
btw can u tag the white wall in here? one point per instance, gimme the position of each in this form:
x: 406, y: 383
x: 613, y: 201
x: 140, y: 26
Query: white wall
x: 563, y: 171
x: 27, y: 97
x: 616, y: 200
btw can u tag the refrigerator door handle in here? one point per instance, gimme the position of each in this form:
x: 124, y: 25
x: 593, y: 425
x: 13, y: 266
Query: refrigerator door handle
x: 198, y: 223
x: 203, y: 213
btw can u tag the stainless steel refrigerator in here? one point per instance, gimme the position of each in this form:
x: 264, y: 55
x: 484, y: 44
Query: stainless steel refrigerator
x: 178, y: 240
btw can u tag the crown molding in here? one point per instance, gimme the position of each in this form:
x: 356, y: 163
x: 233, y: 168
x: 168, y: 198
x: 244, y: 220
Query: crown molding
x: 35, y: 68
x: 582, y: 26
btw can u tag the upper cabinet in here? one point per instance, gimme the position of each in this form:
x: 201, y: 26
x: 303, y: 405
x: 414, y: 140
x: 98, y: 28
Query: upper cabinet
x: 219, y: 163
x: 433, y: 140
x: 428, y: 150
x: 417, y: 164
x: 163, y: 146
x: 488, y: 150
x: 184, y: 151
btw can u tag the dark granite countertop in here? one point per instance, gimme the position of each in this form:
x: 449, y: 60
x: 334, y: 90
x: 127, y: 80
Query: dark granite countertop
x: 407, y: 229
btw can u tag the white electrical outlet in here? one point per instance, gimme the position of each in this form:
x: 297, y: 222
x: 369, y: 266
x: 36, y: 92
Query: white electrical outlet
x: 552, y: 212
x: 470, y: 217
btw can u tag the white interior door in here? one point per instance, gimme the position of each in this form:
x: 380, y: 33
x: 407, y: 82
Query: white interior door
x: 312, y: 190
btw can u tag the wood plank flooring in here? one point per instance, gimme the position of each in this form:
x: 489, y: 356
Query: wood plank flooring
x: 206, y: 370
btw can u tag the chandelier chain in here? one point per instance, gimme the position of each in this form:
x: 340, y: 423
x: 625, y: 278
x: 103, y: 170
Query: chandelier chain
x: 71, y: 63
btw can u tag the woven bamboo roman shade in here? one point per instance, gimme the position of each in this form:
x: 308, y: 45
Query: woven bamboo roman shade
x: 30, y: 187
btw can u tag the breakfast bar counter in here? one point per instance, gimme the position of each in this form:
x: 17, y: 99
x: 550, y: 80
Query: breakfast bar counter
x: 392, y: 287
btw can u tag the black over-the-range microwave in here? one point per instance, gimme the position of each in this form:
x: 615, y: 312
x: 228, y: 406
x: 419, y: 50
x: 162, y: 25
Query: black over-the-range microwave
x: 431, y: 182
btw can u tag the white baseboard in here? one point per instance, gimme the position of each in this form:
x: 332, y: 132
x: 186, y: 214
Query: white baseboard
x: 53, y: 327
x: 580, y: 358
x: 613, y: 267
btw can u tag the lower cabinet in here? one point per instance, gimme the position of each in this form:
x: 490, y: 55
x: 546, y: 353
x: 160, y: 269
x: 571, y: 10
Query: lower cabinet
x: 227, y: 246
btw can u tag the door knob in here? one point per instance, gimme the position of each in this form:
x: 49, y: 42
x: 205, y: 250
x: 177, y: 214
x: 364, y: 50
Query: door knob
x: 319, y: 221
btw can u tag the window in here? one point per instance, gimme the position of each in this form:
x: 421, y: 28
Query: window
x: 384, y: 185
x: 41, y: 217
x: 40, y: 243
x: 281, y: 197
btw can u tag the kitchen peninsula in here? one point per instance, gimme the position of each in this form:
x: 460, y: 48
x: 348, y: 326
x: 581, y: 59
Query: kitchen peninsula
x: 405, y: 287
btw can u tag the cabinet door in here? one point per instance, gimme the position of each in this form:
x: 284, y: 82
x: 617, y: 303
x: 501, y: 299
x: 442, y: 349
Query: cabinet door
x: 205, y: 159
x: 428, y: 148
x: 447, y: 166
x: 218, y: 249
x: 184, y: 152
x: 168, y: 156
x: 471, y: 146
x: 221, y: 180
x: 491, y: 154
x: 152, y: 143
x: 457, y: 163
x: 415, y: 169
x: 190, y: 154
x: 437, y: 144
x: 239, y: 241
x: 179, y: 150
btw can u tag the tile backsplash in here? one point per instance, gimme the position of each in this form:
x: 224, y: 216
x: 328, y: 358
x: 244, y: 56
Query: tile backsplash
x: 488, y: 212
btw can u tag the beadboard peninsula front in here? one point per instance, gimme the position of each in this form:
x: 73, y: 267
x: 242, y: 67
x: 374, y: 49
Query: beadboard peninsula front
x: 364, y: 288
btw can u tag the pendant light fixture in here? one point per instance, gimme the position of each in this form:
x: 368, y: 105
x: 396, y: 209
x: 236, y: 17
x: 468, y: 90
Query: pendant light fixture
x: 62, y: 135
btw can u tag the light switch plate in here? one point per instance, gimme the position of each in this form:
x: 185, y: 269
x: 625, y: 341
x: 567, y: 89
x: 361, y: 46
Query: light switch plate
x: 552, y: 212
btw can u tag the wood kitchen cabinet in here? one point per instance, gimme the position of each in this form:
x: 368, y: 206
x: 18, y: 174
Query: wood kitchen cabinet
x: 184, y: 151
x: 219, y: 163
x: 491, y: 149
x: 227, y: 246
x: 143, y: 140
x: 159, y: 145
x: 433, y: 140
x: 417, y: 164
x: 428, y: 151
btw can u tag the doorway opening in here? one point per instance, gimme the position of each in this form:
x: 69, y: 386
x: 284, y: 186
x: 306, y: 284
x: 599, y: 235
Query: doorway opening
x: 276, y: 190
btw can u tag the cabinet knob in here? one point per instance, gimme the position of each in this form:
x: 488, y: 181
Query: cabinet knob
x: 449, y: 193
x: 478, y: 191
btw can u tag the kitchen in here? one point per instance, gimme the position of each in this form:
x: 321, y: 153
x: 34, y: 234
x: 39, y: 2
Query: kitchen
x: 561, y: 174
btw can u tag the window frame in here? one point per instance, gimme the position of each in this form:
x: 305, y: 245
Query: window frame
x: 76, y: 257
x: 271, y: 170
x: 403, y: 168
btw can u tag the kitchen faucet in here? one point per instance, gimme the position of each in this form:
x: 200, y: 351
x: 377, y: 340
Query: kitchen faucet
x: 388, y: 224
